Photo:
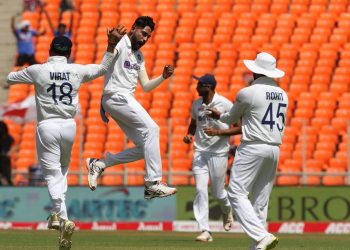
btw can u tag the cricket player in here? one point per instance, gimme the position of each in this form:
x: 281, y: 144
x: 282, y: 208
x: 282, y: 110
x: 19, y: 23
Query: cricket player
x: 211, y: 146
x: 119, y: 102
x: 262, y: 108
x: 56, y: 94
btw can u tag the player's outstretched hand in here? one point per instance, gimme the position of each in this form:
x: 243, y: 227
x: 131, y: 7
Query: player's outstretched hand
x: 114, y: 35
x: 214, y: 113
x: 168, y: 71
x: 211, y: 131
x: 188, y: 139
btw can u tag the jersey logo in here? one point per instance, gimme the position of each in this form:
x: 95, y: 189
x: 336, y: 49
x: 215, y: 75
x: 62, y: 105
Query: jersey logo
x: 134, y: 66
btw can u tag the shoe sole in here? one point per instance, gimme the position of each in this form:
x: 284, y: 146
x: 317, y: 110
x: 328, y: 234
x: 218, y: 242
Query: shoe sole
x: 87, y: 163
x: 160, y: 196
x: 228, y: 228
x: 206, y: 240
x: 273, y: 244
x: 67, y: 233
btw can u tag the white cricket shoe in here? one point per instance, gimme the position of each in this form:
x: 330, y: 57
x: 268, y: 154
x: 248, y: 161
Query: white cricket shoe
x: 227, y: 220
x: 94, y: 172
x: 65, y: 239
x: 269, y: 242
x: 53, y: 221
x: 205, y: 236
x: 158, y: 189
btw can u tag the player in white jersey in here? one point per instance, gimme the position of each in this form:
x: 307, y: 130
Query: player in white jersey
x: 119, y: 102
x: 262, y: 108
x: 56, y: 94
x: 211, y: 146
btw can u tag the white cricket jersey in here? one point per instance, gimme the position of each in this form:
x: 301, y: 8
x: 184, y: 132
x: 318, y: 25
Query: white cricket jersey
x: 203, y: 142
x: 263, y: 107
x: 123, y: 75
x: 57, y: 84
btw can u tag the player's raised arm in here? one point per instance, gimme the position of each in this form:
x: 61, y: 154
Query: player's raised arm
x: 13, y: 26
x: 148, y: 85
x: 92, y: 71
x: 22, y: 76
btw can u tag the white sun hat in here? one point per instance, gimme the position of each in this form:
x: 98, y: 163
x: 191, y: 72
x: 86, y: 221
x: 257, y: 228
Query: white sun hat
x: 264, y: 64
x: 23, y: 24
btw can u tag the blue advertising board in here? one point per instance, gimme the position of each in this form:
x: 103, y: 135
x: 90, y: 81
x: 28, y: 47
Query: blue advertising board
x: 27, y: 204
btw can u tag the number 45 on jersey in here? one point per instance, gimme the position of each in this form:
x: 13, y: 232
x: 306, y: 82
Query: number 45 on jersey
x: 269, y: 117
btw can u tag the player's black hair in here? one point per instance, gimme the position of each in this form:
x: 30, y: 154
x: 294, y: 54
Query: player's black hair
x: 144, y: 21
x: 62, y: 25
x: 61, y: 46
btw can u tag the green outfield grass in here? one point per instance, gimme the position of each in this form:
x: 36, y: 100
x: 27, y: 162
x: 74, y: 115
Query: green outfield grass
x: 103, y: 240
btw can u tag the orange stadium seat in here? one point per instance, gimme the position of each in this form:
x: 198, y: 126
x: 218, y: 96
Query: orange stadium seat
x: 287, y: 179
x: 334, y: 179
x: 312, y: 180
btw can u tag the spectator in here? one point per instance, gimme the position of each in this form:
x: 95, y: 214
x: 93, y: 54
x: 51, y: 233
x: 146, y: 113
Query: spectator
x: 6, y: 141
x: 62, y: 28
x: 25, y: 44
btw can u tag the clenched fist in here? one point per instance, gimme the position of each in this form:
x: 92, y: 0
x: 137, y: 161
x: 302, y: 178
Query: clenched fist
x: 188, y: 139
x: 168, y: 71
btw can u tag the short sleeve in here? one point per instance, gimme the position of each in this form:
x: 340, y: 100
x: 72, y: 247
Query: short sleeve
x: 142, y: 59
x: 193, y: 113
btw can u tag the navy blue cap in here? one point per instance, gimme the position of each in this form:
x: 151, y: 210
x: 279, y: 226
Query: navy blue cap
x: 61, y: 44
x: 206, y: 79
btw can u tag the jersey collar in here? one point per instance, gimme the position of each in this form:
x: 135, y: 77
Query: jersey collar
x: 215, y: 96
x: 61, y: 59
x: 127, y: 40
x: 265, y: 80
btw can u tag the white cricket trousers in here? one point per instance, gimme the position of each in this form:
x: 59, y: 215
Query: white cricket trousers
x: 54, y: 141
x: 253, y: 172
x: 140, y: 128
x: 205, y: 166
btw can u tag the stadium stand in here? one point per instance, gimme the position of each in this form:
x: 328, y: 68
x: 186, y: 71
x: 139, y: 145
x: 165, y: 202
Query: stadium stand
x: 310, y: 39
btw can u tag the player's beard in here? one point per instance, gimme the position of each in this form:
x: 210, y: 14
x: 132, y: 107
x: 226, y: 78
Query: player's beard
x: 203, y: 94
